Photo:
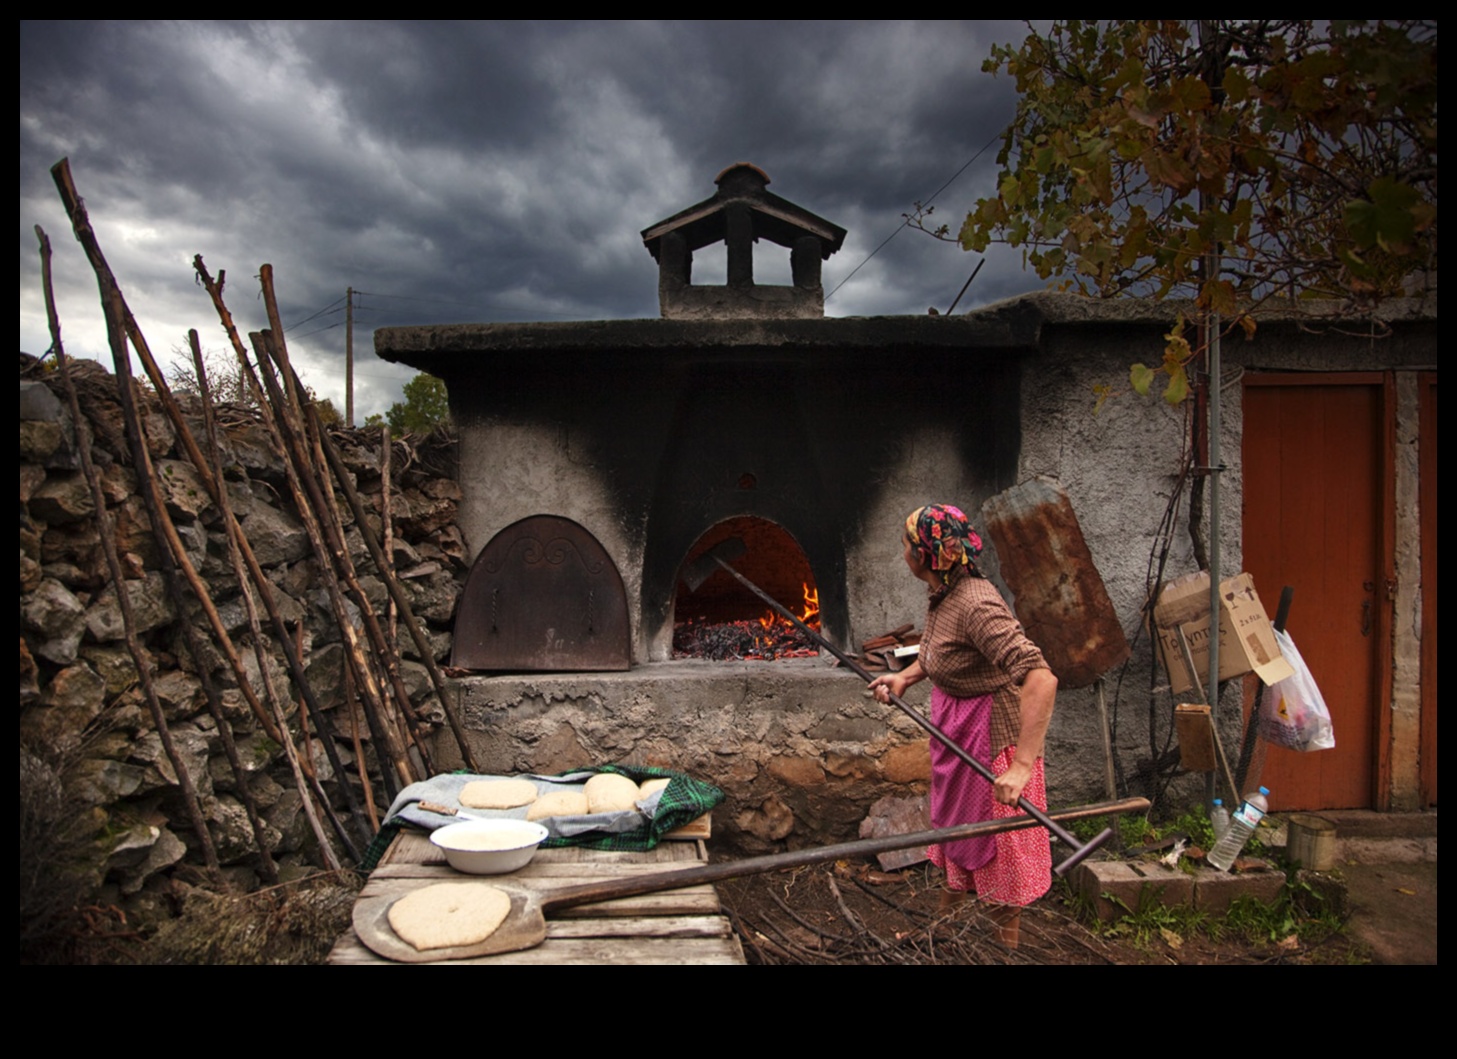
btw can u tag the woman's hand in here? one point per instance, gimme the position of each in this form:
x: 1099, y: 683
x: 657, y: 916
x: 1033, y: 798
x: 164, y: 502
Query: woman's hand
x: 1039, y: 690
x: 890, y: 684
x: 1008, y: 788
x: 896, y: 683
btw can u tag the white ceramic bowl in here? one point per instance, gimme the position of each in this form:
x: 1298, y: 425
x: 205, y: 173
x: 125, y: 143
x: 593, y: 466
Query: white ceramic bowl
x: 489, y: 847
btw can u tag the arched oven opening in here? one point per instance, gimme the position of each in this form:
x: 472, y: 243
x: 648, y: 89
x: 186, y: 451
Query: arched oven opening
x: 722, y: 620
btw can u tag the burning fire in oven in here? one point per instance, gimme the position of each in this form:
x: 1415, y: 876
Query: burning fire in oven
x: 766, y: 638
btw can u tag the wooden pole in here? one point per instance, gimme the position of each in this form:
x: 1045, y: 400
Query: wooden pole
x: 302, y: 428
x: 235, y: 557
x: 214, y: 289
x: 304, y: 487
x: 213, y: 486
x: 168, y: 530
x: 110, y: 302
x: 352, y: 701
x: 402, y: 602
x: 349, y: 357
x: 387, y: 523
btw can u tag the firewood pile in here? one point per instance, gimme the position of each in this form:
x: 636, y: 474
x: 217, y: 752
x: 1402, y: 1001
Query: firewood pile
x: 741, y: 641
x: 878, y: 655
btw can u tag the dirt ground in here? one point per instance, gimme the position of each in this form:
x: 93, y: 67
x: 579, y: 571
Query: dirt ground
x: 851, y: 913
x: 1393, y: 909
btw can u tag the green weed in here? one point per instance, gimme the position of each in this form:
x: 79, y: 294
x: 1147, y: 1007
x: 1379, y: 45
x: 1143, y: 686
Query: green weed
x: 1153, y: 920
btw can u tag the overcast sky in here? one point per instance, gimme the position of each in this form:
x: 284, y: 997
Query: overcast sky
x: 483, y: 171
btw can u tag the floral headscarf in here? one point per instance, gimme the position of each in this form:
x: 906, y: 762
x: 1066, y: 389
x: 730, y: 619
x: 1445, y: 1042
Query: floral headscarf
x: 943, y: 537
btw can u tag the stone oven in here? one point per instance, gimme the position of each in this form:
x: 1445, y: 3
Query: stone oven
x: 742, y: 411
x: 742, y: 408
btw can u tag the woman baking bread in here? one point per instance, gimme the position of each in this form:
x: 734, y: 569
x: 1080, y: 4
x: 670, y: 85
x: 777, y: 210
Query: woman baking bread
x: 993, y: 694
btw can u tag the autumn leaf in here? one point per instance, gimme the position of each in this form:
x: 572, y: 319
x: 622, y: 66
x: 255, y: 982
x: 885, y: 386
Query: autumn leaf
x: 1178, y: 387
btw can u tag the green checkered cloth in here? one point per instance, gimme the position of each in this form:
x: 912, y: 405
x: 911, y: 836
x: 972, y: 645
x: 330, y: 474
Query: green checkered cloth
x: 684, y: 799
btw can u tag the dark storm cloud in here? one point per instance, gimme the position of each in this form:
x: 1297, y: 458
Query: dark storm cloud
x: 484, y: 170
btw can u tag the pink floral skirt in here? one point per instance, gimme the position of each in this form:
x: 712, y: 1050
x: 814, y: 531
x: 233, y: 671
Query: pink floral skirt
x: 1020, y: 870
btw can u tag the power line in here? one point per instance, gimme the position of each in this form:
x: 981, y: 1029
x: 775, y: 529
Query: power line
x: 321, y: 312
x: 317, y: 330
x: 905, y: 222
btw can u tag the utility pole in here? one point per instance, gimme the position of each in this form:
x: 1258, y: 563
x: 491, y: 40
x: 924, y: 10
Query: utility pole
x: 1210, y: 41
x: 349, y: 357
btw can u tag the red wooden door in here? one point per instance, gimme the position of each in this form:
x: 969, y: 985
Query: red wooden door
x: 1315, y: 454
x: 1428, y: 446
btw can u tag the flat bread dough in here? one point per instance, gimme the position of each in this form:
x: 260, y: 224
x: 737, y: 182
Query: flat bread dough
x: 558, y: 803
x: 448, y: 915
x: 651, y: 787
x: 497, y: 794
x: 611, y: 792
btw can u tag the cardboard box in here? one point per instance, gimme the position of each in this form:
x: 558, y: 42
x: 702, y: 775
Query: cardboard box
x: 1246, y: 639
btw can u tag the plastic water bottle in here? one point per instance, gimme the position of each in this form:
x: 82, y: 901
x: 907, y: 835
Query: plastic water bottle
x: 1241, y: 826
x: 1219, y: 819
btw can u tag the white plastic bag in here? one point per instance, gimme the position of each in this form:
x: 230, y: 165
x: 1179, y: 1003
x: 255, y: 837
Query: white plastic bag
x: 1295, y: 713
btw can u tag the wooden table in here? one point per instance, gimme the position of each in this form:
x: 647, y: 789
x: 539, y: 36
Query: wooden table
x: 674, y: 927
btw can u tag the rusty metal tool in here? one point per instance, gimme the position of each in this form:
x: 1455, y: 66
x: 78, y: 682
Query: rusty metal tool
x: 525, y: 925
x: 724, y: 552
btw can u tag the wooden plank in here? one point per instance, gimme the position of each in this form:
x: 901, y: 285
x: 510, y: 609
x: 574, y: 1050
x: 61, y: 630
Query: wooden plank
x: 721, y: 950
x: 691, y: 900
x: 623, y: 952
x: 694, y: 830
x: 666, y: 853
x: 554, y: 874
x: 414, y: 847
x: 647, y: 952
x: 641, y: 926
x: 683, y: 926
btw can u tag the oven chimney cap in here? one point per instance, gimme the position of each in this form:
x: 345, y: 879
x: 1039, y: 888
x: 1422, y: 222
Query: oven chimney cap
x: 742, y: 213
x: 743, y: 176
x: 775, y: 219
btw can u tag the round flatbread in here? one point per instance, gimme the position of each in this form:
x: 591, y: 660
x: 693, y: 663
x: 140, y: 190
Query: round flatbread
x: 497, y: 794
x: 448, y: 915
x: 558, y: 803
x: 611, y: 792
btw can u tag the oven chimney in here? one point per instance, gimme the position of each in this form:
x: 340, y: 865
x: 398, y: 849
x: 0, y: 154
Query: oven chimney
x: 741, y: 213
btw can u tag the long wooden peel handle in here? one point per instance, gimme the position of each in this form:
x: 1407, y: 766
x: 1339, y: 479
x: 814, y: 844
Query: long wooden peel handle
x: 655, y: 882
x: 1080, y: 851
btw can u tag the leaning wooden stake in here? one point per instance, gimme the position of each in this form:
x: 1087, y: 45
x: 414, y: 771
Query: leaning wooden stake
x: 212, y: 484
x: 307, y: 794
x: 174, y: 558
x: 306, y: 497
x: 110, y: 297
x: 214, y: 289
x: 384, y: 650
x: 387, y: 528
x: 351, y: 699
x: 401, y: 601
x: 303, y: 420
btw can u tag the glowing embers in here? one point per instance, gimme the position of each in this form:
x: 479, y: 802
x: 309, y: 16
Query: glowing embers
x: 725, y: 621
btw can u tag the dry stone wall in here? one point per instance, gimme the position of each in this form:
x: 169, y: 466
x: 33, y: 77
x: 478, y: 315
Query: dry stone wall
x: 86, y: 738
